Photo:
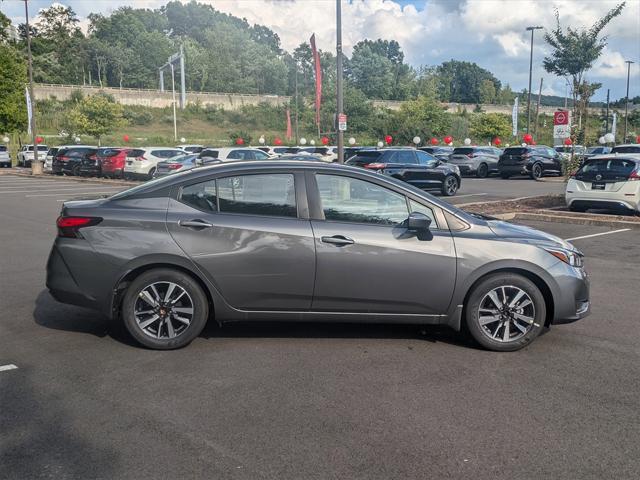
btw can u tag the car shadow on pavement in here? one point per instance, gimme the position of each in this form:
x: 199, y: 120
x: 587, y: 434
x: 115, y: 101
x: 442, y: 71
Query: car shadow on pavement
x: 39, y: 438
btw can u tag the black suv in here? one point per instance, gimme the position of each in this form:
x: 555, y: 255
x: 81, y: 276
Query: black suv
x: 412, y: 166
x: 70, y: 160
x: 441, y: 153
x: 535, y: 161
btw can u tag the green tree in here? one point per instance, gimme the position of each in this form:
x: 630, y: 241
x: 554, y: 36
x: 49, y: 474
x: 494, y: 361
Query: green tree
x: 461, y: 81
x: 574, y: 51
x: 95, y: 115
x: 486, y: 126
x: 487, y: 91
x: 13, y: 78
x: 424, y: 117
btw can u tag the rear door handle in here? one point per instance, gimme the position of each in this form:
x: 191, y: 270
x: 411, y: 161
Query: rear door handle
x: 194, y: 224
x: 338, y: 240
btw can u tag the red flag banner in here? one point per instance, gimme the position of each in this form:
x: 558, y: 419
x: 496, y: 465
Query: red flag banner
x: 289, y: 130
x: 316, y: 61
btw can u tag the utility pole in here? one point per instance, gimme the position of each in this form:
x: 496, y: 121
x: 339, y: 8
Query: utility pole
x: 339, y: 93
x: 626, y: 103
x: 183, y: 87
x: 36, y: 167
x: 538, y: 105
x: 606, y: 121
x: 296, y: 102
x: 532, y: 29
x: 173, y: 88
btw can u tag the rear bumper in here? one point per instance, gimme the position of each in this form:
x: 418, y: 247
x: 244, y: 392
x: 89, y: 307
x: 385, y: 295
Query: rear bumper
x: 63, y: 286
x: 514, y: 169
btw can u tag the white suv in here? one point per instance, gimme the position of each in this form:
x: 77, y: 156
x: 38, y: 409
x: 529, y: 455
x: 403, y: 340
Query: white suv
x: 5, y: 160
x: 228, y: 154
x: 142, y: 162
x: 25, y: 155
x: 607, y: 182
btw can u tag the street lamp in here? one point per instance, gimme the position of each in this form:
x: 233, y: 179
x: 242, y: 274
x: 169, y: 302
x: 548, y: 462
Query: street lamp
x: 532, y: 29
x: 626, y: 103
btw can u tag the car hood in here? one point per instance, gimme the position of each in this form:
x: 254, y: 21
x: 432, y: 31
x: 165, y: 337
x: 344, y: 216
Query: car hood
x: 524, y: 234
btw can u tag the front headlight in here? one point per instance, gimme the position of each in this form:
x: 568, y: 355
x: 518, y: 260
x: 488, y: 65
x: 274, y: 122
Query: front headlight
x: 567, y: 256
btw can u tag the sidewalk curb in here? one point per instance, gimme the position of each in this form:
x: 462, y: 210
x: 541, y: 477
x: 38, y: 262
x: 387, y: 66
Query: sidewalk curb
x: 570, y: 219
x: 66, y: 178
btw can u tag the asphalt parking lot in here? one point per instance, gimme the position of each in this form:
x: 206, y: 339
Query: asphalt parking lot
x: 312, y: 401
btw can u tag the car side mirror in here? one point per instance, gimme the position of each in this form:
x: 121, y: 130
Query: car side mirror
x: 418, y: 222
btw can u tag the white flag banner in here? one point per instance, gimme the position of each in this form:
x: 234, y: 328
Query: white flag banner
x: 613, y: 124
x: 29, y: 111
x: 514, y: 118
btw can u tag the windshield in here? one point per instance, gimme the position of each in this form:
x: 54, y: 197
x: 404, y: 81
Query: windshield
x: 462, y: 151
x: 626, y: 149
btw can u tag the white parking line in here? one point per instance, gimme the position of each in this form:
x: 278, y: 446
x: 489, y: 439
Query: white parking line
x: 10, y: 366
x: 45, y: 188
x: 471, y: 195
x: 598, y: 234
x: 71, y: 194
x: 61, y: 190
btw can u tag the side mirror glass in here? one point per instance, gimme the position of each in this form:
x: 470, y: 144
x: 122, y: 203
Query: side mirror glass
x: 418, y: 222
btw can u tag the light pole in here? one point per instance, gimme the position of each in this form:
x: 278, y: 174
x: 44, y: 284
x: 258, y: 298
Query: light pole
x: 36, y: 168
x: 626, y: 103
x: 532, y: 29
x: 173, y: 88
x: 340, y: 99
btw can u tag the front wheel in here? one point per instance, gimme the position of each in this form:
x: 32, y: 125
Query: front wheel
x: 450, y: 186
x: 164, y: 309
x: 505, y: 312
x: 536, y: 171
x: 483, y: 171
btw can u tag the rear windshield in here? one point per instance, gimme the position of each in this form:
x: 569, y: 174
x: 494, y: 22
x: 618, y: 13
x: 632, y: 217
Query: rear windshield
x: 626, y: 149
x: 209, y: 153
x: 183, y: 159
x: 515, y: 150
x: 606, y: 169
x: 462, y: 151
x: 136, y: 152
x: 108, y: 152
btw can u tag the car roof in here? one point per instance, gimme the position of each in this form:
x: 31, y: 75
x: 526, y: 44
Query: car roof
x: 615, y: 156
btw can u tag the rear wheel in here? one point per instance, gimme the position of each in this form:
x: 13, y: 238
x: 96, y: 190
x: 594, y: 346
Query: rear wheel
x: 151, y: 173
x: 483, y: 171
x: 450, y: 185
x: 536, y: 171
x: 505, y: 312
x: 164, y: 309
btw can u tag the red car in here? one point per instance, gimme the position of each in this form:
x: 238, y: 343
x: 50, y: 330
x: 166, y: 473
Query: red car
x: 111, y: 161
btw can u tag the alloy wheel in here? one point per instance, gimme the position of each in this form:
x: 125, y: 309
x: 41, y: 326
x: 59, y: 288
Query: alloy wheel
x: 163, y: 310
x: 451, y: 185
x: 506, y: 313
x: 537, y: 171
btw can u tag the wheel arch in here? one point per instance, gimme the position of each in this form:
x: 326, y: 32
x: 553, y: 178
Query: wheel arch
x: 536, y: 279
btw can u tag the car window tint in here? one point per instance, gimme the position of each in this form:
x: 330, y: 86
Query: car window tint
x: 418, y: 207
x: 239, y: 155
x: 263, y: 194
x: 209, y: 153
x: 406, y: 156
x: 259, y: 155
x: 425, y: 158
x: 347, y: 199
x: 201, y: 196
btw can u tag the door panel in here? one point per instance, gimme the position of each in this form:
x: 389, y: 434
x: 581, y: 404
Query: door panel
x: 257, y: 262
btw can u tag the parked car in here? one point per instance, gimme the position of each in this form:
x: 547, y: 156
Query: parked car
x: 48, y: 160
x: 110, y: 162
x: 629, y: 148
x: 565, y: 151
x: 175, y: 165
x: 301, y: 157
x: 600, y: 150
x: 226, y: 154
x: 606, y: 182
x: 142, y: 162
x: 69, y: 160
x: 5, y: 160
x: 25, y: 155
x: 325, y: 153
x: 191, y: 148
x: 441, y: 153
x: 535, y: 161
x: 478, y: 161
x: 301, y: 241
x: 278, y: 150
x: 412, y: 166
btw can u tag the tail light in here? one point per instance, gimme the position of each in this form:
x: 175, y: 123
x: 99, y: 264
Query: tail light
x: 376, y: 166
x: 635, y: 175
x: 69, y: 227
x: 526, y: 155
x: 64, y: 158
x: 174, y: 166
x: 470, y: 155
x: 140, y: 158
x: 92, y: 157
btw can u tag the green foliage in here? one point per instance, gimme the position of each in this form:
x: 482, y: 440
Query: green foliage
x: 486, y: 126
x: 462, y: 82
x: 137, y: 116
x: 96, y: 116
x: 423, y: 117
x: 13, y: 77
x: 243, y: 134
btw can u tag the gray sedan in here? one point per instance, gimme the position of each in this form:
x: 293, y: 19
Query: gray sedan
x: 305, y: 241
x: 478, y: 161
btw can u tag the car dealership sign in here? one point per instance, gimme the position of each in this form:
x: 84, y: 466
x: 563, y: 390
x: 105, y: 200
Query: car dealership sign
x: 561, y: 124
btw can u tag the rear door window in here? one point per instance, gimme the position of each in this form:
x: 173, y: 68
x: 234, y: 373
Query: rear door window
x: 260, y: 194
x: 406, y: 157
x: 425, y: 158
x: 202, y: 196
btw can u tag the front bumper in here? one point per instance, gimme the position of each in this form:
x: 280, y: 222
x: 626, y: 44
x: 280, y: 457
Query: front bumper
x: 571, y: 298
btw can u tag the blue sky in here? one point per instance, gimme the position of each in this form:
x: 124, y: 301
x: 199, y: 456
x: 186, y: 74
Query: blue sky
x: 488, y: 32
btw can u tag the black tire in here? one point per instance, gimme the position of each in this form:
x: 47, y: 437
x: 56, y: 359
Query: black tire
x: 483, y: 171
x: 196, y: 298
x: 536, y: 171
x: 450, y: 185
x: 75, y: 171
x: 505, y: 176
x: 151, y: 173
x: 506, y: 325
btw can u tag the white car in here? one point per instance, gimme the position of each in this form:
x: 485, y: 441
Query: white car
x: 25, y: 155
x: 5, y: 160
x: 191, y: 148
x: 142, y: 162
x: 327, y: 154
x: 279, y: 149
x: 226, y: 154
x: 606, y: 182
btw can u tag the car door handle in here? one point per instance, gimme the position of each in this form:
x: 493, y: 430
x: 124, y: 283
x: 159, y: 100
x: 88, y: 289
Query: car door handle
x: 194, y: 224
x: 338, y: 240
